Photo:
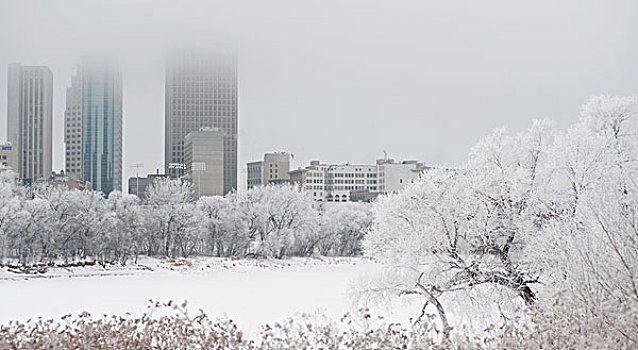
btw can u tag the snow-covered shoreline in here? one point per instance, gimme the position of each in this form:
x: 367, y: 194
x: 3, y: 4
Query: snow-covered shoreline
x: 251, y: 292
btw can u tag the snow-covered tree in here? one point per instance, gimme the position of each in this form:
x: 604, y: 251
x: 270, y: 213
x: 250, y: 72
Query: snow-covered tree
x: 223, y: 225
x: 592, y: 250
x: 343, y: 228
x: 459, y: 230
x: 281, y: 220
x: 170, y: 221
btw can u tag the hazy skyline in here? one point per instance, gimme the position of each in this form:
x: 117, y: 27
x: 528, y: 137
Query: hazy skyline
x: 341, y: 81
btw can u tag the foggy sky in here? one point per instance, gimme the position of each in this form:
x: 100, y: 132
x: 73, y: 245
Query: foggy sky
x: 341, y: 81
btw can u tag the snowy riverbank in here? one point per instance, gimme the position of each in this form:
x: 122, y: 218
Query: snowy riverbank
x: 251, y: 292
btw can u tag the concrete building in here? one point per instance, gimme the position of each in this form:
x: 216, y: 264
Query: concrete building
x: 93, y: 125
x: 30, y: 119
x: 139, y: 185
x: 328, y: 184
x: 204, y: 159
x: 73, y: 126
x: 393, y: 176
x: 274, y: 169
x: 8, y: 156
x: 201, y: 91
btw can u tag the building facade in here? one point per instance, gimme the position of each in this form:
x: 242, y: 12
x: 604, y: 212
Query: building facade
x: 9, y: 156
x: 93, y: 125
x: 30, y: 119
x: 201, y: 91
x: 73, y: 126
x: 274, y: 169
x: 393, y: 176
x: 328, y: 184
x: 204, y: 159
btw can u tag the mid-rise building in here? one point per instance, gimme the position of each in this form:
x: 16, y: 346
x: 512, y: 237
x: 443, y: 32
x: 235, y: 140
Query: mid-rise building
x: 93, y: 125
x: 30, y: 119
x: 201, y: 91
x: 9, y: 156
x: 328, y: 184
x: 204, y: 161
x: 393, y: 176
x: 274, y: 169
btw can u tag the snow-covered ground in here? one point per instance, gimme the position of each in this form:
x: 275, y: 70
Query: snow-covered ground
x: 251, y: 292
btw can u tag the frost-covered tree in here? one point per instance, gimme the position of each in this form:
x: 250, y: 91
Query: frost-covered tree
x: 124, y: 226
x: 537, y: 213
x: 343, y: 228
x: 281, y: 220
x: 459, y: 230
x: 10, y: 197
x: 592, y: 251
x: 223, y: 225
x: 170, y: 221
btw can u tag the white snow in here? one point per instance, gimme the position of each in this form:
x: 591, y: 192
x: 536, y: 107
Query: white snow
x: 250, y: 292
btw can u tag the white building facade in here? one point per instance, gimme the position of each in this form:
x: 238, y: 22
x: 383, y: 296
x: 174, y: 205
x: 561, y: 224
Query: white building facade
x: 329, y: 184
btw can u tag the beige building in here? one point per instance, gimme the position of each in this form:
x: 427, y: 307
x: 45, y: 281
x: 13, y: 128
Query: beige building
x: 273, y: 169
x: 204, y: 161
x: 30, y: 119
x: 9, y: 156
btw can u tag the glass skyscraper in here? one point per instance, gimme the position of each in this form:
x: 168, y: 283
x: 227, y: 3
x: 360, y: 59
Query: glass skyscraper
x: 94, y: 125
x: 201, y: 92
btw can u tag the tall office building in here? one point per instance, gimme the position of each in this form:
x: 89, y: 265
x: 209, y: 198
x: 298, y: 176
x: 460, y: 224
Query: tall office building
x: 201, y: 91
x: 30, y: 119
x: 93, y: 125
x: 73, y: 125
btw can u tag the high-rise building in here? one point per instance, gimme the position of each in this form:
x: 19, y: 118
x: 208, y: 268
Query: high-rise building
x: 93, y: 125
x: 274, y: 169
x: 73, y: 125
x: 204, y: 160
x: 30, y: 119
x: 201, y: 91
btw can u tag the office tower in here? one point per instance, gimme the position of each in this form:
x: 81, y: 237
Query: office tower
x: 201, y: 91
x: 204, y: 161
x: 274, y: 169
x: 30, y: 119
x: 94, y: 123
x: 73, y: 125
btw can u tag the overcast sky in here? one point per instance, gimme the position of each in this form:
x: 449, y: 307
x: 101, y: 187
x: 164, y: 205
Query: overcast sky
x: 342, y: 81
